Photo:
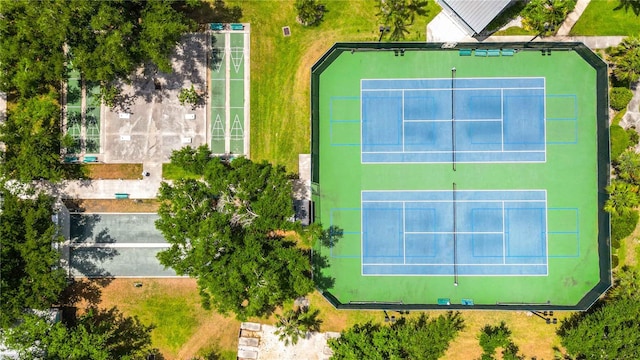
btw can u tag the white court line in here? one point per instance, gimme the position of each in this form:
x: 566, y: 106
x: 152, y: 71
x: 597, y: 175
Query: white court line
x: 460, y: 120
x: 450, y: 202
x: 457, y: 232
x: 457, y: 264
x: 502, y: 116
x: 504, y: 244
x: 457, y: 162
x: 449, y: 89
x: 404, y: 236
x: 457, y: 151
x: 469, y: 78
x: 118, y: 245
x: 403, y: 121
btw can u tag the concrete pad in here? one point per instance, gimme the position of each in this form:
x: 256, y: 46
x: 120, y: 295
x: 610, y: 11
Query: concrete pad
x: 150, y: 122
x: 116, y: 245
x: 443, y: 29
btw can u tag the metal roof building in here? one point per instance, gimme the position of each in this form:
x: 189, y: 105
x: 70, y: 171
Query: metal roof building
x: 473, y: 15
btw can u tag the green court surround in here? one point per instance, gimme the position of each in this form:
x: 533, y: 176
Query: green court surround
x: 574, y: 175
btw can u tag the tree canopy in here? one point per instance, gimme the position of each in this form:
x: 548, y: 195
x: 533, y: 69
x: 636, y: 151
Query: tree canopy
x: 546, y: 16
x: 105, y: 40
x: 32, y: 139
x: 96, y: 335
x: 610, y: 331
x: 225, y: 231
x: 30, y: 276
x: 417, y: 338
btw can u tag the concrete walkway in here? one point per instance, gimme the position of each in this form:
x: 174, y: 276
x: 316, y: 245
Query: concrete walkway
x: 145, y: 188
x: 593, y: 42
x: 572, y: 18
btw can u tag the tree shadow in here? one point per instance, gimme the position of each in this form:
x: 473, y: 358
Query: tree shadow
x: 84, y: 260
x: 319, y: 263
x: 216, y: 12
x: 626, y: 5
x: 126, y: 334
x: 87, y: 290
x: 192, y: 55
x: 330, y: 236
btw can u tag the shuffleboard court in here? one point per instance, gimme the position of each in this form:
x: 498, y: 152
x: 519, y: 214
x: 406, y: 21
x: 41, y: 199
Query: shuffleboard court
x: 427, y: 120
x: 463, y: 232
x: 229, y: 91
x: 454, y: 181
x: 73, y: 106
x: 218, y: 70
x: 116, y: 245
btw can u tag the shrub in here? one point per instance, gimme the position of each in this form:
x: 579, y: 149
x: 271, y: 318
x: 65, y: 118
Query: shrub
x: 189, y: 96
x: 623, y: 224
x: 545, y: 16
x: 619, y: 97
x: 619, y: 141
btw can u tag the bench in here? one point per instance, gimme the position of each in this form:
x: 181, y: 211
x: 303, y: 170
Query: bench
x: 467, y: 302
x: 71, y: 159
x: 237, y: 27
x: 125, y: 137
x: 493, y: 52
x: 216, y: 26
x: 508, y: 52
x: 124, y: 115
x: 122, y: 196
x: 444, y: 301
x: 190, y: 116
x: 186, y: 140
x: 481, y: 52
x: 89, y: 159
x: 465, y: 52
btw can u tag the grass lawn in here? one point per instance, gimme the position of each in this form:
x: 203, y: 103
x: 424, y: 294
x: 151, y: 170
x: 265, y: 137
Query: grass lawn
x: 113, y: 171
x: 113, y: 205
x: 184, y: 329
x: 173, y: 172
x: 280, y: 67
x: 600, y: 18
x: 514, y: 30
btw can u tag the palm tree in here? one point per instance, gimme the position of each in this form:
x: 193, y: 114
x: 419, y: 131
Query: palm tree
x: 628, y: 167
x: 400, y: 14
x: 626, y: 59
x: 293, y: 324
x: 634, y: 5
x: 623, y: 197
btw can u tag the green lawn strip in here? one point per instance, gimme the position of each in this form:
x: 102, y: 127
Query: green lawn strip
x: 513, y: 30
x: 173, y: 172
x: 600, y: 18
x: 280, y: 67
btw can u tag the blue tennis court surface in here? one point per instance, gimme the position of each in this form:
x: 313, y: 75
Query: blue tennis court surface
x: 499, y: 232
x: 426, y: 120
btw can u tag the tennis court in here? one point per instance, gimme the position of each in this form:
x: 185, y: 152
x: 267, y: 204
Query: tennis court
x: 454, y: 233
x: 446, y: 120
x: 459, y: 181
x: 116, y: 245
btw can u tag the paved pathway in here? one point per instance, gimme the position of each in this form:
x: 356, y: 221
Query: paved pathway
x: 572, y: 18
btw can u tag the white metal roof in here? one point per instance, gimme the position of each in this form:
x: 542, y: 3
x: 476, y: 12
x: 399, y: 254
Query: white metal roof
x: 474, y: 15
